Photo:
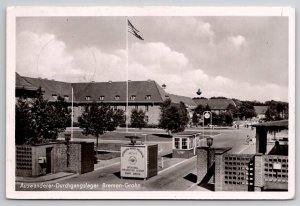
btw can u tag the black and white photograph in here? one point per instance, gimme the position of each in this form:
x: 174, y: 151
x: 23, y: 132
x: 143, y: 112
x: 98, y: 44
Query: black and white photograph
x: 150, y: 103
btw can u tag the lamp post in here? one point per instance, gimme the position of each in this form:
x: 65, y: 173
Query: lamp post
x: 209, y: 142
x: 207, y: 115
x: 67, y: 138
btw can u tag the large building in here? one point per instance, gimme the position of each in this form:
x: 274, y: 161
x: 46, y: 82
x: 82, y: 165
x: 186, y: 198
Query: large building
x: 144, y: 95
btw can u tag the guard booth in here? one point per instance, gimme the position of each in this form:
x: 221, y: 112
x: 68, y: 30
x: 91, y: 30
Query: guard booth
x: 185, y: 144
x: 139, y: 160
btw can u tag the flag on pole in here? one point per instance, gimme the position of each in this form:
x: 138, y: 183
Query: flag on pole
x: 134, y: 31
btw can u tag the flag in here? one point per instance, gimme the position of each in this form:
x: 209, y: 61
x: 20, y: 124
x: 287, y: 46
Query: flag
x: 134, y: 31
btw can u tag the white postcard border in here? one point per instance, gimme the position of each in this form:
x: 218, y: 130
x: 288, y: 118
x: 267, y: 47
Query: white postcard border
x: 14, y: 12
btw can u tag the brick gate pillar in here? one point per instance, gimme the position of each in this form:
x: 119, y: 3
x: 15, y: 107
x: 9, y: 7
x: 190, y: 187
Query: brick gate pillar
x: 201, y: 163
x: 219, y: 168
x: 258, y: 172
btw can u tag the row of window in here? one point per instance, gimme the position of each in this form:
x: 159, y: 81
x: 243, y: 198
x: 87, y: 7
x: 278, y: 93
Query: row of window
x: 183, y: 143
x: 115, y: 107
x: 117, y: 97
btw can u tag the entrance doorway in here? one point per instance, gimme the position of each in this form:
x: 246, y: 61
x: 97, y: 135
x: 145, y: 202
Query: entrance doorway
x: 48, y: 157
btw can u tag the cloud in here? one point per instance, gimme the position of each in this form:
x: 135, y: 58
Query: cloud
x: 237, y: 41
x: 183, y: 78
x: 47, y: 57
x: 44, y: 55
x: 158, y: 57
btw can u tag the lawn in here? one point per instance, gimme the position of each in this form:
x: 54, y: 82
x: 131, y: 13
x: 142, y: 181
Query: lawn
x: 153, y: 135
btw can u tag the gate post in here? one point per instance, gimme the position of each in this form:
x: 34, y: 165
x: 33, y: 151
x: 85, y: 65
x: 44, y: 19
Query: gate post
x: 258, y: 172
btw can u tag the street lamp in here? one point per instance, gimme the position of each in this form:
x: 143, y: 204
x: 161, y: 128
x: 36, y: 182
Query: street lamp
x: 209, y: 142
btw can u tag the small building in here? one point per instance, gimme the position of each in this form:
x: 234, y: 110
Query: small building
x: 185, y: 144
x: 260, y: 111
x: 43, y: 159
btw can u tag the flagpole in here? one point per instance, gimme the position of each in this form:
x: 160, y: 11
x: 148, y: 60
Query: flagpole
x: 72, y: 115
x: 127, y: 53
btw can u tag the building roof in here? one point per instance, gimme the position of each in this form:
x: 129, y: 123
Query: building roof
x: 186, y: 100
x: 51, y: 87
x: 142, y: 91
x: 215, y: 104
x: 260, y: 109
x: 22, y: 83
x: 274, y: 125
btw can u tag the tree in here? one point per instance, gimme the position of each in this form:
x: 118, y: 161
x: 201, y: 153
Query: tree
x: 246, y: 110
x: 184, y: 116
x: 24, y: 130
x: 173, y: 118
x: 197, y: 114
x: 232, y: 109
x: 97, y: 119
x: 39, y: 121
x: 137, y: 119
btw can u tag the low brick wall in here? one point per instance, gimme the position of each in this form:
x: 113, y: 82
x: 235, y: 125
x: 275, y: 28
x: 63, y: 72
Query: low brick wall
x: 183, y: 153
x: 242, y: 172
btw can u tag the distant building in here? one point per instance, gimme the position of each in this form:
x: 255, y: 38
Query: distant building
x: 261, y: 111
x: 144, y: 95
x: 217, y: 106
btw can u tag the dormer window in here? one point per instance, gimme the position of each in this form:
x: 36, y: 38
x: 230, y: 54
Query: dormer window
x: 167, y: 96
x: 88, y: 98
x: 148, y: 97
x: 66, y: 97
x: 132, y: 97
x: 54, y: 96
x: 117, y: 97
x: 101, y: 98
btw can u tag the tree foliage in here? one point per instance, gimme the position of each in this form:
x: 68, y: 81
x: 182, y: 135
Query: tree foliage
x: 197, y: 114
x: 173, y: 117
x: 97, y: 119
x: 138, y: 119
x: 38, y: 120
x: 276, y: 110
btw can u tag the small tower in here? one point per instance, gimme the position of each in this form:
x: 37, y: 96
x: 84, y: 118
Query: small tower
x: 199, y: 92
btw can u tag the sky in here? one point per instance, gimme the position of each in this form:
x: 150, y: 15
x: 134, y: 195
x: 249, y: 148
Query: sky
x: 236, y: 57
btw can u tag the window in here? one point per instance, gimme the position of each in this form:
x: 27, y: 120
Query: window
x: 184, y: 143
x: 147, y: 118
x: 101, y: 98
x: 115, y: 107
x: 167, y: 96
x: 136, y: 107
x: 146, y: 108
x: 132, y: 97
x: 88, y: 98
x: 177, y: 143
x: 148, y: 97
x: 66, y: 97
x: 54, y: 96
x: 117, y: 97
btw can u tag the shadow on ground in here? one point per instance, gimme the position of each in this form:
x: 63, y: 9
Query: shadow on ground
x: 163, y: 135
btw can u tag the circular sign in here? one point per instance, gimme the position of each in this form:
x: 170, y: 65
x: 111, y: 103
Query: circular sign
x: 207, y: 115
x: 132, y: 160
